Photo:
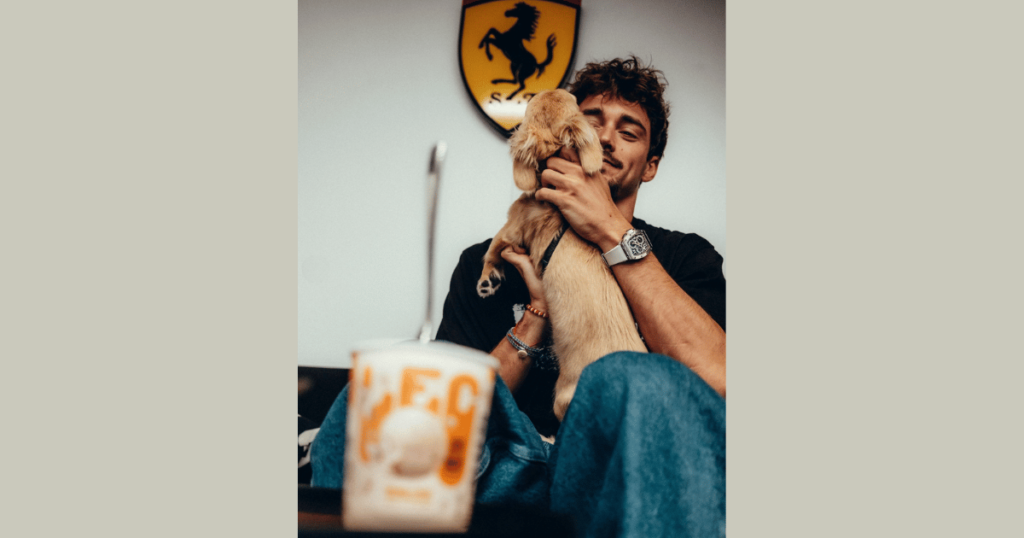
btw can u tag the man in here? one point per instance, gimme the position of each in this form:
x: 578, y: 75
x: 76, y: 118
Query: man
x: 641, y: 449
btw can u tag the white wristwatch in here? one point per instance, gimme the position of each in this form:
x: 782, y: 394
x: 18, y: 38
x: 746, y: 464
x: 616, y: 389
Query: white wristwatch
x: 634, y: 245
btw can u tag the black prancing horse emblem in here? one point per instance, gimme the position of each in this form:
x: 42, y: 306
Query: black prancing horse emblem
x: 512, y: 44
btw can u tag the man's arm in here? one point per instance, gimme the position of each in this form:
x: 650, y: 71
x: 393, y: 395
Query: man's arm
x: 513, y: 370
x: 672, y: 323
x: 472, y: 321
x: 530, y: 328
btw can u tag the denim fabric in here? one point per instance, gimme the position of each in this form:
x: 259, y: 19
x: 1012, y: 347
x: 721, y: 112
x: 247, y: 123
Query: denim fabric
x: 513, y: 463
x: 329, y: 446
x: 517, y: 471
x: 641, y: 452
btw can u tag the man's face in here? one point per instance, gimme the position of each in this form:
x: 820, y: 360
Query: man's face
x: 625, y: 134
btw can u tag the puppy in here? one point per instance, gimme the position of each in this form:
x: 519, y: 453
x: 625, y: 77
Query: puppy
x: 589, y: 316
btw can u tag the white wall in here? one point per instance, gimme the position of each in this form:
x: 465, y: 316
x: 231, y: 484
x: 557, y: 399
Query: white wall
x: 379, y: 83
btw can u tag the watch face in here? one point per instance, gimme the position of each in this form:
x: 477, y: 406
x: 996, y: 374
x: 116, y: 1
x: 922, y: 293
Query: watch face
x: 637, y: 245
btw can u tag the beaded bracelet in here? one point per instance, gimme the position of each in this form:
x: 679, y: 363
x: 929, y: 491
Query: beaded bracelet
x: 542, y: 357
x: 537, y: 312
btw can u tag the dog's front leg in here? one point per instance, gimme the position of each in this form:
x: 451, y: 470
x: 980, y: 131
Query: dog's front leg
x: 510, y: 235
x: 493, y: 272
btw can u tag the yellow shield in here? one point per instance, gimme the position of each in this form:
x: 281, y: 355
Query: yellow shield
x: 509, y: 50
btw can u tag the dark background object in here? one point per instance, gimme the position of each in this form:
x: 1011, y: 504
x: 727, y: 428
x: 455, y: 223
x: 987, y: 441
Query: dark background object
x: 318, y: 387
x: 320, y: 515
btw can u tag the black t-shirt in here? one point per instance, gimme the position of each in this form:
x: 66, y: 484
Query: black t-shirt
x: 481, y: 323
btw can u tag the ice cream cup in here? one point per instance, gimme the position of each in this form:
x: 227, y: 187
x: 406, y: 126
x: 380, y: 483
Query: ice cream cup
x: 417, y: 415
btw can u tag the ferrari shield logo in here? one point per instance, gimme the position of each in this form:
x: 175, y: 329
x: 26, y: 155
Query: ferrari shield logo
x: 509, y: 50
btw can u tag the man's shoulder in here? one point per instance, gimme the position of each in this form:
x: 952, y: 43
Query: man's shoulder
x: 675, y: 240
x: 477, y: 249
x: 472, y: 257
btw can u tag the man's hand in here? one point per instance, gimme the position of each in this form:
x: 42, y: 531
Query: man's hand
x: 521, y: 261
x: 585, y: 201
x: 672, y: 323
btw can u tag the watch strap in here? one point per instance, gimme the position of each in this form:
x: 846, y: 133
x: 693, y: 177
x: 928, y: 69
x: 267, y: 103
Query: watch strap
x: 615, y: 255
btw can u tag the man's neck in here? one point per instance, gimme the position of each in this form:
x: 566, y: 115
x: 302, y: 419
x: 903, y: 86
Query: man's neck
x: 626, y: 207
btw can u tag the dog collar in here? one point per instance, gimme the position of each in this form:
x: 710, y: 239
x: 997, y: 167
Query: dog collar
x: 551, y: 247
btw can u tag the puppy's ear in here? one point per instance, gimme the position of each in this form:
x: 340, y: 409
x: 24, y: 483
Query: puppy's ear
x: 581, y: 135
x: 524, y: 146
x: 525, y: 176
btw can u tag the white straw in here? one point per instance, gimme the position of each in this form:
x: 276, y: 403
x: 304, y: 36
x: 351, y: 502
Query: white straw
x: 433, y: 182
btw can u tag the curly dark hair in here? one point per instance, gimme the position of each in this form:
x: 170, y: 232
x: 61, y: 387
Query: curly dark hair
x: 633, y: 81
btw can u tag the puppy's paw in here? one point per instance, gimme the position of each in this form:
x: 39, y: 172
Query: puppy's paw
x: 489, y: 284
x: 591, y: 158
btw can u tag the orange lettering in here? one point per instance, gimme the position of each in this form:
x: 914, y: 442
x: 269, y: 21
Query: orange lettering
x: 369, y: 428
x: 353, y: 385
x: 411, y: 385
x: 459, y: 430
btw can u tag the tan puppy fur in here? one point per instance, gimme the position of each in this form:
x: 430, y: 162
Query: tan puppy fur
x: 589, y: 316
